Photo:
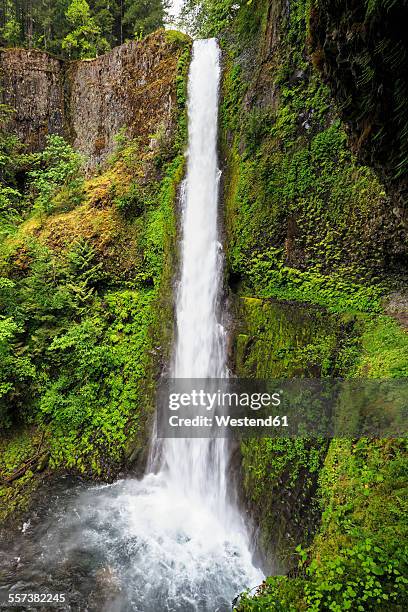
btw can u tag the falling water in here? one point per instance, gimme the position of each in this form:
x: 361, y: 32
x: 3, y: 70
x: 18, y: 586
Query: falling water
x: 172, y: 541
x: 198, y: 467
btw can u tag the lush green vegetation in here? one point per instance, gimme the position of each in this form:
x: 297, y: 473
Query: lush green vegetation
x: 334, y: 514
x: 85, y: 273
x: 305, y: 220
x: 77, y: 28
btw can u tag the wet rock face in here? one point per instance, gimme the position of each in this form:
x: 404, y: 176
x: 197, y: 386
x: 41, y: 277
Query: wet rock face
x: 132, y: 86
x: 361, y: 50
x: 32, y: 84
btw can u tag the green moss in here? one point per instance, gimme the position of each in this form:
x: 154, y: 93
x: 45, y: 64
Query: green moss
x: 275, y: 339
x: 384, y: 349
x: 179, y: 39
x: 358, y: 560
x: 304, y: 220
x: 15, y: 450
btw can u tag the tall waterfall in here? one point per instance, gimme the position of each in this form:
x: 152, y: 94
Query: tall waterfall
x: 199, y: 351
x: 204, y: 550
x: 196, y: 466
x: 171, y: 541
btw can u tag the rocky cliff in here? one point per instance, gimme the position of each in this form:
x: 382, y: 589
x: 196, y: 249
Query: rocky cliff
x: 89, y: 102
x: 32, y: 83
x: 315, y: 240
x: 360, y: 49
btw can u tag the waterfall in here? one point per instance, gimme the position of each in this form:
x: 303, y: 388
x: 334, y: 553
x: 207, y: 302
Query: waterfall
x: 197, y: 550
x: 209, y: 546
x: 172, y: 541
x: 197, y: 467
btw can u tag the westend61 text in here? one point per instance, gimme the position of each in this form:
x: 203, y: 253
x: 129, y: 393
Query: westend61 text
x: 227, y: 421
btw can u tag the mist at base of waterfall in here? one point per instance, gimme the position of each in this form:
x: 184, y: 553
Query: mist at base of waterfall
x: 131, y: 546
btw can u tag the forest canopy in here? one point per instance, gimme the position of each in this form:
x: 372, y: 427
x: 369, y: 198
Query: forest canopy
x: 77, y: 29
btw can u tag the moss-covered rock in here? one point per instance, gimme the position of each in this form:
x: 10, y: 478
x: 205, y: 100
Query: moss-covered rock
x: 307, y: 223
x: 360, y: 49
x: 130, y: 88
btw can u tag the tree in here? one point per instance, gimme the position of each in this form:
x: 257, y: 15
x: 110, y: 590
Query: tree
x: 10, y: 28
x: 77, y: 28
x: 84, y: 39
x: 107, y: 15
x: 206, y: 18
x: 141, y: 17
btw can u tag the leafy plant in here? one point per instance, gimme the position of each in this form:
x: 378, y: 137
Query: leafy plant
x: 57, y: 167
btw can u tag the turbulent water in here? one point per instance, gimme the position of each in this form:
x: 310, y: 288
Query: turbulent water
x: 171, y: 541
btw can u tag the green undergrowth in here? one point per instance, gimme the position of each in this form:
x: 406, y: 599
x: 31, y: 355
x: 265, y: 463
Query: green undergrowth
x: 304, y: 220
x: 276, y: 340
x: 333, y: 514
x: 79, y: 330
x: 384, y: 351
x: 270, y: 277
x: 358, y: 559
x: 16, y: 448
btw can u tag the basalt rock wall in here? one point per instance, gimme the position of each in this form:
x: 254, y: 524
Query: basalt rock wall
x: 89, y: 102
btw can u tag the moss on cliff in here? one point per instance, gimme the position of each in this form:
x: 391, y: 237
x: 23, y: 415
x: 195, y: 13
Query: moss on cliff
x: 307, y: 223
x: 360, y: 49
x: 299, y: 206
x: 331, y: 515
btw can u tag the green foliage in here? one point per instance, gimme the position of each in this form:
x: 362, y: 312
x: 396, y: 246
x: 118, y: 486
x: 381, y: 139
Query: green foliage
x: 11, y: 201
x: 276, y: 594
x: 131, y: 203
x: 303, y: 217
x: 270, y: 277
x: 306, y: 222
x: 142, y: 17
x: 363, y: 576
x: 384, y: 349
x: 9, y: 145
x: 95, y: 388
x: 359, y: 559
x: 84, y: 39
x: 265, y: 461
x: 16, y: 448
x: 77, y: 28
x: 57, y: 170
x: 16, y: 368
x: 85, y: 293
x: 207, y: 18
x: 90, y: 344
